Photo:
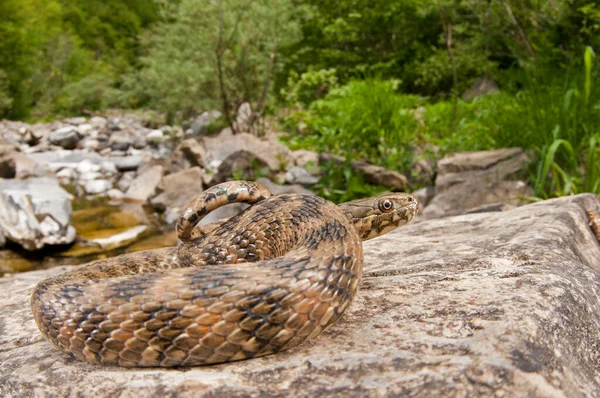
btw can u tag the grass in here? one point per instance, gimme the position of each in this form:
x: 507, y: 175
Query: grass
x: 554, y: 114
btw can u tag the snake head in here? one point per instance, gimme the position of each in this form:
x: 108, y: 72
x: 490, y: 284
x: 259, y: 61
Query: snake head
x: 376, y: 216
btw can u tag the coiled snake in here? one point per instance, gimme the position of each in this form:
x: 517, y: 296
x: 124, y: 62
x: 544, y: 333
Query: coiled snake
x: 261, y: 282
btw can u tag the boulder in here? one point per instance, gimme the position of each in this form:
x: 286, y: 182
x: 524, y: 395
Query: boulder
x: 479, y: 305
x: 35, y: 212
x: 299, y: 175
x: 66, y: 137
x: 203, y: 121
x: 471, y: 180
x: 272, y: 152
x: 144, y: 185
x: 176, y: 190
x: 189, y: 153
x: 239, y: 165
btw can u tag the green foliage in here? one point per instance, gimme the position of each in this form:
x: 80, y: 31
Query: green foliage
x: 364, y: 119
x: 340, y: 183
x: 309, y: 86
x: 180, y: 73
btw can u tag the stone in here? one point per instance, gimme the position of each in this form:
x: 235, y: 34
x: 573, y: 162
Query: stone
x: 120, y: 239
x: 372, y: 174
x: 241, y: 165
x: 480, y: 305
x: 114, y: 194
x: 35, y: 212
x: 98, y: 122
x: 120, y: 142
x: 275, y: 154
x: 56, y: 160
x: 144, y: 185
x: 76, y: 121
x: 483, y: 86
x: 306, y: 159
x: 243, y: 118
x: 127, y: 163
x: 126, y: 180
x: 472, y: 179
x: 8, y: 167
x: 95, y: 187
x: 425, y: 195
x: 66, y: 137
x: 156, y: 136
x: 176, y: 190
x: 189, y: 153
x: 114, y: 124
x: 203, y: 121
x: 299, y: 175
x: 277, y: 189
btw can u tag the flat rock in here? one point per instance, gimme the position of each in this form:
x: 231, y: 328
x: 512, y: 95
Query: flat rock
x: 35, y: 212
x: 144, y: 185
x: 275, y: 154
x: 178, y: 189
x: 469, y: 180
x: 66, y: 137
x: 479, y: 305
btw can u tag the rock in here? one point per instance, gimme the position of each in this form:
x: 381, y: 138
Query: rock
x: 114, y: 194
x: 306, y: 159
x: 98, y: 122
x: 120, y: 142
x: 127, y: 163
x: 241, y: 165
x: 299, y: 175
x: 8, y: 167
x: 95, y: 187
x: 114, y: 124
x: 472, y: 179
x: 144, y: 185
x: 156, y: 136
x: 188, y: 154
x: 76, y: 121
x: 66, y: 176
x: 275, y: 154
x: 126, y: 180
x: 425, y: 195
x: 480, y: 305
x: 243, y: 118
x: 277, y: 189
x: 91, y: 144
x: 201, y: 123
x: 372, y: 174
x: 57, y: 160
x: 66, y: 137
x: 483, y: 86
x: 35, y: 212
x: 120, y: 239
x: 177, y: 190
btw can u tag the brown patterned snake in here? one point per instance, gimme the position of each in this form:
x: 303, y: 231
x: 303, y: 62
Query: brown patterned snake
x: 261, y: 282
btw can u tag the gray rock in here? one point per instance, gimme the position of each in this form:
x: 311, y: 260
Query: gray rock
x: 299, y: 175
x: 144, y: 185
x: 241, y: 164
x: 66, y: 137
x: 188, y: 154
x: 76, y: 121
x: 469, y: 180
x: 275, y: 154
x: 98, y: 122
x: 277, y: 189
x: 483, y: 86
x: 126, y: 180
x: 200, y: 123
x: 156, y: 136
x: 114, y: 194
x: 35, y: 212
x: 243, y: 118
x: 480, y: 305
x: 114, y: 124
x: 176, y: 190
x: 95, y: 187
x: 120, y: 142
x: 57, y: 160
x: 306, y: 159
x: 127, y: 163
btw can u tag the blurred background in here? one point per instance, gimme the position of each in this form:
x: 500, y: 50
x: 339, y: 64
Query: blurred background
x: 368, y: 94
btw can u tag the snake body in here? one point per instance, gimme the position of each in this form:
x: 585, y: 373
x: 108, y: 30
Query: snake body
x: 261, y: 282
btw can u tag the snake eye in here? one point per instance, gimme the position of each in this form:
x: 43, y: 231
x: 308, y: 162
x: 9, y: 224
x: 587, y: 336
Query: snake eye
x: 386, y: 205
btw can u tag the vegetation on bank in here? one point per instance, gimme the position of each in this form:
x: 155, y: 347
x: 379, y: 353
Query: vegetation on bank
x: 375, y: 80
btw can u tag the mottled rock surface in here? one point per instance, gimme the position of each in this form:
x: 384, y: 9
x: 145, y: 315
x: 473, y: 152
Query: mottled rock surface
x: 490, y: 304
x: 469, y: 180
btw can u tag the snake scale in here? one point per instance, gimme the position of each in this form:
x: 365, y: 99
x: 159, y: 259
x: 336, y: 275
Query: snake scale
x: 263, y: 281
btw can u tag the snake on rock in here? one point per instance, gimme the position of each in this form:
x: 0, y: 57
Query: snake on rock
x: 263, y: 281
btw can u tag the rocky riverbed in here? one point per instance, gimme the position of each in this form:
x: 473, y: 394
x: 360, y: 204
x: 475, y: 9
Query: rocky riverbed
x: 82, y: 188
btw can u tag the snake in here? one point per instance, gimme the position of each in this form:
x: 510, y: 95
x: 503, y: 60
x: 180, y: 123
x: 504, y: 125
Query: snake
x: 263, y: 281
